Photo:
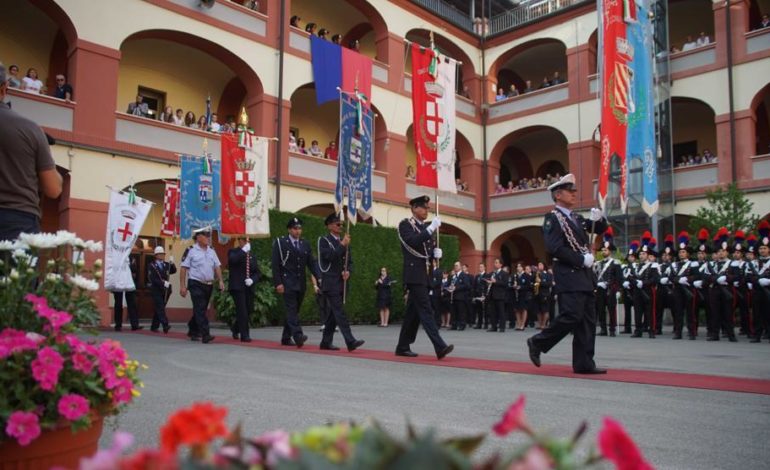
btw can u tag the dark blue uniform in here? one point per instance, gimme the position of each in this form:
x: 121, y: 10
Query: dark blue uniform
x: 499, y: 294
x: 608, y: 276
x: 331, y: 261
x: 574, y: 285
x: 243, y: 295
x: 159, y: 273
x: 480, y: 287
x: 459, y: 299
x: 290, y: 258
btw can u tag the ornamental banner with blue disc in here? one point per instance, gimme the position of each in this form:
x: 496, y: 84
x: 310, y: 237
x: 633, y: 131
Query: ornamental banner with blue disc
x: 354, y: 168
x: 200, y: 195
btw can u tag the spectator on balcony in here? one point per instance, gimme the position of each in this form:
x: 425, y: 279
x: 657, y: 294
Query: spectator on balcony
x: 556, y: 80
x: 301, y: 146
x: 179, y: 117
x: 323, y: 33
x: 138, y: 107
x: 31, y: 83
x: 63, y: 90
x: 512, y: 91
x: 528, y: 87
x: 315, y: 149
x: 331, y: 151
x: 294, y: 21
x: 499, y: 189
x: 13, y: 77
x: 765, y: 23
x: 510, y: 188
x: 703, y: 39
x: 214, y: 126
x: 167, y: 115
x: 675, y: 49
x: 459, y: 184
x: 466, y: 93
x: 189, y: 119
x: 410, y: 174
x: 310, y: 28
x: 708, y: 156
x: 545, y: 83
x: 355, y: 45
x: 689, y: 44
x: 201, y: 123
x: 337, y: 39
x: 500, y: 96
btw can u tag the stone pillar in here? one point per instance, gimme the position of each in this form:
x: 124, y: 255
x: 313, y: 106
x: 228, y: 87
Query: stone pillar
x: 393, y: 51
x: 577, y: 66
x: 94, y: 69
x: 745, y: 146
x: 273, y: 13
x: 739, y: 23
x: 470, y: 172
x: 584, y: 158
x: 395, y: 165
x: 263, y: 118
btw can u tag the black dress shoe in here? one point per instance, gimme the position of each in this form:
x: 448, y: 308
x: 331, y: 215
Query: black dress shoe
x: 492, y: 330
x: 443, y: 353
x: 118, y: 328
x: 691, y: 337
x: 594, y: 371
x: 300, y: 340
x: 637, y: 334
x: 712, y: 338
x: 135, y: 328
x: 154, y: 330
x: 462, y: 328
x: 245, y: 340
x: 329, y: 347
x: 166, y: 328
x: 677, y: 336
x: 207, y: 339
x: 612, y: 334
x: 236, y: 336
x: 287, y: 342
x: 652, y: 335
x: 756, y: 339
x: 195, y: 338
x: 602, y: 333
x: 406, y: 353
x: 732, y: 339
x: 534, y: 353
x: 454, y: 328
x: 355, y: 345
x: 476, y: 327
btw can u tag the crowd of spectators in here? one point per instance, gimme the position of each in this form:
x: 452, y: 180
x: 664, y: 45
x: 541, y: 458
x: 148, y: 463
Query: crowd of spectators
x: 689, y: 44
x: 250, y: 4
x: 31, y: 83
x: 323, y: 33
x: 697, y: 159
x: 527, y: 183
x: 764, y: 22
x: 512, y: 92
x: 298, y: 145
x: 139, y: 108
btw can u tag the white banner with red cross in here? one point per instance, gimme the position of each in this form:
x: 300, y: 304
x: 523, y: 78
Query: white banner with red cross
x: 124, y: 222
x: 244, y: 186
x: 169, y: 226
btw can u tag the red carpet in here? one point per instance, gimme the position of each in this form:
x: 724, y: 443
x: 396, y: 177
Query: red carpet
x: 669, y: 379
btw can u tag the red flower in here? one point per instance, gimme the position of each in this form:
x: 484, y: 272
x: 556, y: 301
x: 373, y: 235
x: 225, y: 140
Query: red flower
x: 150, y: 460
x: 513, y: 419
x: 617, y: 446
x: 197, y: 425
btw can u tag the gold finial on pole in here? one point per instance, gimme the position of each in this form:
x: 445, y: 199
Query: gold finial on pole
x: 244, y: 118
x: 205, y: 146
x: 432, y: 43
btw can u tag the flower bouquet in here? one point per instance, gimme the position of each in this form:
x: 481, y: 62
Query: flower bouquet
x: 198, y: 437
x: 52, y: 375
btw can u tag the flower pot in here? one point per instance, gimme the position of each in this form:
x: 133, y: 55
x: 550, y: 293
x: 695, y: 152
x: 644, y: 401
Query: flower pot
x: 53, y: 448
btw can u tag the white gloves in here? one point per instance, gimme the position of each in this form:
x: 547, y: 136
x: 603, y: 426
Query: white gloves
x: 639, y: 284
x: 437, y: 253
x: 596, y: 215
x: 602, y: 284
x: 683, y: 281
x: 664, y: 281
x: 764, y: 282
x: 166, y: 284
x: 171, y: 259
x: 698, y: 284
x: 588, y: 260
x: 249, y: 281
x: 626, y: 285
x: 722, y: 280
x: 750, y: 285
x: 246, y: 248
x: 736, y: 284
x: 434, y: 224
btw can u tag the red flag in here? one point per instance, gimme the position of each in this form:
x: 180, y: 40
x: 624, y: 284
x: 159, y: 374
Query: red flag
x: 170, y: 223
x: 233, y: 199
x: 357, y: 66
x: 615, y: 95
x: 425, y: 116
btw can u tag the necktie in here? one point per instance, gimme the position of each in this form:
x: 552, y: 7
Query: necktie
x: 296, y: 245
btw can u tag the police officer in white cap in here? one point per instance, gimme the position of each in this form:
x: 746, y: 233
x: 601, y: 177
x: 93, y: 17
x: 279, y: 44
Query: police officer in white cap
x: 566, y: 239
x: 160, y: 272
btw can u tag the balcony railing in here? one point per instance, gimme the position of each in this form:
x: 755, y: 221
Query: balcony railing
x: 160, y: 135
x: 462, y: 200
x: 448, y: 12
x: 529, y: 100
x: 520, y: 200
x: 700, y: 57
x: 528, y: 11
x: 758, y: 41
x: 44, y: 110
x: 306, y: 166
x: 230, y: 13
x: 760, y: 166
x: 698, y: 176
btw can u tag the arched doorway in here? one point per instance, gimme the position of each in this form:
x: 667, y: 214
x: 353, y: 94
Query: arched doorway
x: 528, y: 66
x: 693, y: 130
x: 760, y: 106
x: 523, y: 244
x: 535, y: 152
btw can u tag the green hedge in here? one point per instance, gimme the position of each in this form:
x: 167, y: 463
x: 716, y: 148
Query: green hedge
x: 371, y: 247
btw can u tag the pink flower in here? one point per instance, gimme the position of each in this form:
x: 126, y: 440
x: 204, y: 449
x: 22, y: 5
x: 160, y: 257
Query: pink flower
x: 122, y: 391
x: 108, y: 459
x: 617, y: 446
x: 14, y: 341
x: 56, y: 319
x: 107, y: 370
x: 111, y: 351
x: 82, y: 363
x: 513, y: 419
x: 46, y: 368
x: 24, y: 426
x: 73, y: 406
x: 278, y: 444
x: 535, y: 459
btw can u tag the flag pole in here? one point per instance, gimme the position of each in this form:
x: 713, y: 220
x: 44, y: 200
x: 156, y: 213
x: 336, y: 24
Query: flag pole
x: 347, y: 252
x: 438, y: 244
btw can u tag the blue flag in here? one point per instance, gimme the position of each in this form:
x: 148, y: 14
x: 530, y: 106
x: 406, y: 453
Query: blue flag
x: 326, y: 58
x: 199, y: 199
x: 354, y: 166
x: 640, y: 142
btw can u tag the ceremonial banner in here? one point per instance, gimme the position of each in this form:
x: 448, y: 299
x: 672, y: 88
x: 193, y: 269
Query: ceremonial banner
x: 169, y: 226
x: 337, y: 67
x: 641, y: 115
x: 124, y: 222
x: 357, y: 74
x: 433, y: 110
x: 244, y: 185
x: 615, y: 95
x: 354, y: 167
x: 199, y: 204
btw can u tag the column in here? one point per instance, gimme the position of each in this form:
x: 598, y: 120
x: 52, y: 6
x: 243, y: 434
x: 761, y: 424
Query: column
x: 745, y: 146
x: 390, y: 50
x: 470, y: 172
x: 94, y: 70
x: 584, y: 158
x: 395, y: 165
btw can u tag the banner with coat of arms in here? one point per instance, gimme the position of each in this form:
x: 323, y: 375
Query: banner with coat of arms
x: 354, y: 166
x: 124, y: 222
x: 433, y: 110
x: 199, y: 201
x: 244, y: 185
x: 169, y: 226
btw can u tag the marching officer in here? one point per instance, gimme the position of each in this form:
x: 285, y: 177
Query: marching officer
x: 334, y: 263
x: 459, y: 294
x: 244, y: 273
x: 159, y: 273
x: 543, y: 298
x: 761, y: 281
x: 566, y: 239
x: 741, y: 289
x: 418, y: 248
x: 723, y: 274
x: 199, y: 269
x: 608, y: 277
x: 291, y: 255
x: 665, y: 295
x: 682, y: 274
x: 702, y: 281
x: 647, y: 278
x: 629, y: 284
x: 480, y: 288
x: 498, y: 294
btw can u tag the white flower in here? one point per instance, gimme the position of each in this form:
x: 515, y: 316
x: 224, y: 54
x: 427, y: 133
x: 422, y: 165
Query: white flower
x: 21, y: 255
x: 98, y: 263
x: 80, y: 263
x: 93, y: 247
x: 53, y: 277
x: 14, y: 274
x: 51, y: 263
x: 40, y: 240
x: 7, y: 245
x: 66, y: 238
x: 84, y: 283
x: 4, y: 281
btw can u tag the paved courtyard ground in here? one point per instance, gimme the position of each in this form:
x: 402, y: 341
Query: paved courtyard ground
x: 273, y: 387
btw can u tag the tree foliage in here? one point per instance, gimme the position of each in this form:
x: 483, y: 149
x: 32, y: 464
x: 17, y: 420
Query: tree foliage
x: 726, y: 207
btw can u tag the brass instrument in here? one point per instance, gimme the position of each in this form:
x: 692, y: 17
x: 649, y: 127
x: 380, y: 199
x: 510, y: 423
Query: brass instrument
x: 536, y: 290
x: 489, y: 285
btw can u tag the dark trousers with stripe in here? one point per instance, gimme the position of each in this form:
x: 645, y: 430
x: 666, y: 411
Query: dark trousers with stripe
x: 606, y: 305
x: 722, y: 309
x: 418, y: 312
